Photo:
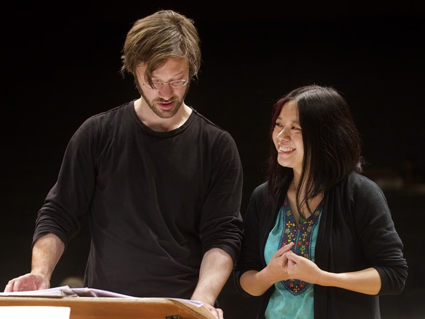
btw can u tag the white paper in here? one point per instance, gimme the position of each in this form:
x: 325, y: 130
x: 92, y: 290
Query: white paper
x: 51, y: 292
x: 34, y: 312
x: 192, y: 302
x: 92, y: 292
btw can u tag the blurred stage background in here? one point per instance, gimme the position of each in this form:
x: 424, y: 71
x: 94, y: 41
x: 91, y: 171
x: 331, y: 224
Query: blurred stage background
x: 61, y: 64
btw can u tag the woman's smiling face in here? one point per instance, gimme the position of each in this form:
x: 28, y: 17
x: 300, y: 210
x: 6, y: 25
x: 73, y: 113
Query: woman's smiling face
x: 288, y: 139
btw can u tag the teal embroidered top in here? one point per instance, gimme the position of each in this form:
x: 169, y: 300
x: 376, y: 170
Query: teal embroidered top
x: 292, y: 298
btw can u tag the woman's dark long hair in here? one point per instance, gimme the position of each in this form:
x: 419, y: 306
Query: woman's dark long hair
x: 332, y: 147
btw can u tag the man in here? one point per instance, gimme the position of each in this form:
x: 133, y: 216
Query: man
x: 161, y: 184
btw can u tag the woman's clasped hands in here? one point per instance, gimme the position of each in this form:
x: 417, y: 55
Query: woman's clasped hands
x: 286, y: 265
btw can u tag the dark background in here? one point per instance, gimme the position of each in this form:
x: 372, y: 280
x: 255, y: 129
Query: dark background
x: 61, y: 61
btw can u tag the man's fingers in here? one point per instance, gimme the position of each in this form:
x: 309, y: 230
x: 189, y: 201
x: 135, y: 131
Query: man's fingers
x: 217, y: 312
x: 17, y: 286
x: 9, y: 286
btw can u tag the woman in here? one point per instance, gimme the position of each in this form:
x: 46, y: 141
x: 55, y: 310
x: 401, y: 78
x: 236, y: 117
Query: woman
x: 319, y: 239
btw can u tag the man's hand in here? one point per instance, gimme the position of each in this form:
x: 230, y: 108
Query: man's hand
x: 45, y: 255
x: 217, y: 312
x: 27, y: 282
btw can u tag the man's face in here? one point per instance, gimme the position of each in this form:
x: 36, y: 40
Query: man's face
x: 165, y: 101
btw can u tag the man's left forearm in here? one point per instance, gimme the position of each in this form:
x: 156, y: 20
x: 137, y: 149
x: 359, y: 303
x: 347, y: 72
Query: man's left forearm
x: 216, y: 268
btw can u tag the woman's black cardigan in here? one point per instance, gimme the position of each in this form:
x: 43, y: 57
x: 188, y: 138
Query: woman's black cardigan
x: 356, y: 232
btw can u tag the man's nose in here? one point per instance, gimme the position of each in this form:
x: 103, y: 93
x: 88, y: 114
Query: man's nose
x: 166, y: 91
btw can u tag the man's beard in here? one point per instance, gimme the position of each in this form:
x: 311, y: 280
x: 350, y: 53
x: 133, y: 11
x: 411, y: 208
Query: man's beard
x: 160, y: 113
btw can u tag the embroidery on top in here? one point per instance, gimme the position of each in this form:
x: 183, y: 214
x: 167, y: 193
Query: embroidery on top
x: 301, y: 237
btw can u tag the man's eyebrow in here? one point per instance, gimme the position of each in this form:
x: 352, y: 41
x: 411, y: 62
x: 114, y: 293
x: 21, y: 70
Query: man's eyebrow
x: 175, y: 75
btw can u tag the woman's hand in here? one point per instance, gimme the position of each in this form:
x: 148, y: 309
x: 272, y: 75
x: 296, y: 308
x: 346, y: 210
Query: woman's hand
x: 256, y: 283
x: 365, y: 281
x: 277, y: 268
x: 302, y: 268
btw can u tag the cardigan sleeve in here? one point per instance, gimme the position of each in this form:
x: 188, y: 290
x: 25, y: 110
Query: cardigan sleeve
x: 381, y: 243
x: 251, y: 258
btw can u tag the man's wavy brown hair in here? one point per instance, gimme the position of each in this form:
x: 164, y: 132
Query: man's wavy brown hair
x: 158, y: 37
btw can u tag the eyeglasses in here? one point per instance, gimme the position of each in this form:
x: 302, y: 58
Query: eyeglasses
x: 156, y: 85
